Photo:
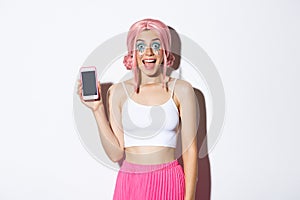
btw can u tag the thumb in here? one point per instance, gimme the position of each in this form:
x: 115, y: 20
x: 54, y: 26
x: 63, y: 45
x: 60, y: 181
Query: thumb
x: 99, y: 88
x: 98, y: 85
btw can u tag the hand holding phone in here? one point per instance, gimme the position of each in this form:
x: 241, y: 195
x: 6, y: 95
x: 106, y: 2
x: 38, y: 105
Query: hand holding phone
x: 92, y: 102
x: 88, y: 77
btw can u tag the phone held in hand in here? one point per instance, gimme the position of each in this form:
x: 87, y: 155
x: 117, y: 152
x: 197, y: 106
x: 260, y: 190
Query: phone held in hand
x: 89, y: 83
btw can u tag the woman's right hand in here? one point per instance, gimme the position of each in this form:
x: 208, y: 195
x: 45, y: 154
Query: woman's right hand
x: 92, y: 104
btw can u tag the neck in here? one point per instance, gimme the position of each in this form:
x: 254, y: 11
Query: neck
x: 151, y: 80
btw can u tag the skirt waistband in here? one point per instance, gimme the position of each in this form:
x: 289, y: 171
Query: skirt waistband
x: 144, y: 168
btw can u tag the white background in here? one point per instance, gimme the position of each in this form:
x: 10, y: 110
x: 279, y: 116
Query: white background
x: 254, y: 45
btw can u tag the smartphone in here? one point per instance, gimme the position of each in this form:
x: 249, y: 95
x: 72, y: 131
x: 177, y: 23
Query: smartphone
x: 89, y: 83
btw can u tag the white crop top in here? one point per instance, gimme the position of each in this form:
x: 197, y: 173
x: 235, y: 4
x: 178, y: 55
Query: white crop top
x: 150, y: 125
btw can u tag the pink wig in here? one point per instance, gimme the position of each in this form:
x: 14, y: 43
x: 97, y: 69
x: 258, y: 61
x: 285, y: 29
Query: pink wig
x: 165, y: 37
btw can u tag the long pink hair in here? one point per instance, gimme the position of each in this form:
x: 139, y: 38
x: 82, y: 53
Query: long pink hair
x: 165, y: 37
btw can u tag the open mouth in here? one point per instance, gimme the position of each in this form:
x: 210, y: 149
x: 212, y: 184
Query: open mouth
x: 149, y: 61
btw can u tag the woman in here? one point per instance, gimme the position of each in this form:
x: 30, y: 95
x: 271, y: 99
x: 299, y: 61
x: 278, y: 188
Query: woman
x: 146, y: 114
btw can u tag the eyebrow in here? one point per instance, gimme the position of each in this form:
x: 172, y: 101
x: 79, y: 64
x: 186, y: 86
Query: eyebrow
x: 144, y: 40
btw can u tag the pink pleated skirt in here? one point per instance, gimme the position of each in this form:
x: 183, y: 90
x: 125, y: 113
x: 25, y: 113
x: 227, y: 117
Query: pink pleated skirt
x: 150, y: 182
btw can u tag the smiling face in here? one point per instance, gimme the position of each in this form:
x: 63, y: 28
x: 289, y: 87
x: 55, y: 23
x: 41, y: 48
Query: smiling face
x: 149, y: 52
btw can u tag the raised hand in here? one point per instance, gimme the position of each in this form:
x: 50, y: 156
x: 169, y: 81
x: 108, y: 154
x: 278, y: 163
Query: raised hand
x: 92, y: 104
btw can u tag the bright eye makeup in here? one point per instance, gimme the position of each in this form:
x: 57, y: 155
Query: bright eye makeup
x: 141, y: 47
x: 155, y: 47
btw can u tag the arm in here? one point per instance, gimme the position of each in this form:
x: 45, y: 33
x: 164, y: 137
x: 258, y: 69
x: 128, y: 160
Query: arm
x: 110, y: 134
x: 109, y: 140
x: 188, y: 116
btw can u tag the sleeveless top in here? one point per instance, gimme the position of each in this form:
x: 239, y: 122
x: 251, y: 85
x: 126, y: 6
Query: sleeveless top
x: 145, y: 125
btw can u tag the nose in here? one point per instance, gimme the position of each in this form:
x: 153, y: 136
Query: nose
x: 149, y: 51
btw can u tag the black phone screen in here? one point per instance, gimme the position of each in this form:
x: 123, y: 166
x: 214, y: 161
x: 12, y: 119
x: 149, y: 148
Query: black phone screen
x: 89, y: 83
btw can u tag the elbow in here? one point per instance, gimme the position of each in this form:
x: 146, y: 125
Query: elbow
x: 117, y: 158
x: 192, y: 151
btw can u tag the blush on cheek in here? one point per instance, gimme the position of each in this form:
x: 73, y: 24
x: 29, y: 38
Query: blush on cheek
x: 139, y: 60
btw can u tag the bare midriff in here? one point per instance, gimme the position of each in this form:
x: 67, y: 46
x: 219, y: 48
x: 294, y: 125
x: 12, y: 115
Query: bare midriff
x: 149, y: 154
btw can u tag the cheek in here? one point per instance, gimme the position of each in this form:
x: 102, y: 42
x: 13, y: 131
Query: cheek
x: 157, y: 52
x: 160, y: 55
x: 140, y: 54
x: 139, y: 58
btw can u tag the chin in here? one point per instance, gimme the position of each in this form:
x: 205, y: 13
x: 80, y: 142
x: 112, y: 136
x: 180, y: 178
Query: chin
x: 151, y: 72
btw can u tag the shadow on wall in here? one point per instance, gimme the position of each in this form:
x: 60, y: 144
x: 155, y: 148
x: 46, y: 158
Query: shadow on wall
x: 203, y: 188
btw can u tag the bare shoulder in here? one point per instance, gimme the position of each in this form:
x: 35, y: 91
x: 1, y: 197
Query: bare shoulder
x: 183, y: 88
x: 115, y: 90
x: 117, y: 93
x: 183, y: 83
x: 183, y: 92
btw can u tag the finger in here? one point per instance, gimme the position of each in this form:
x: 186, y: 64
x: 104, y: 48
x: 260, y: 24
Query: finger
x: 79, y: 91
x: 79, y: 88
x: 81, y: 98
x: 79, y: 83
x: 99, y: 88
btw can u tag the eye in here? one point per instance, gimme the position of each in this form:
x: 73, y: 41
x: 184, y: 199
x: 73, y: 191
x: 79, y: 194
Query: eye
x: 140, y: 47
x: 156, y: 46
